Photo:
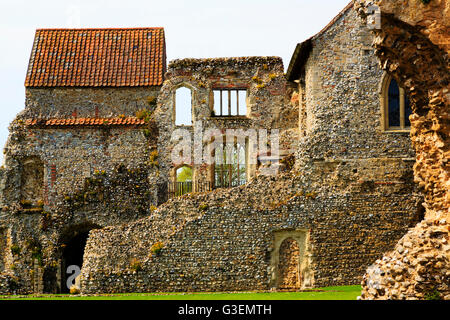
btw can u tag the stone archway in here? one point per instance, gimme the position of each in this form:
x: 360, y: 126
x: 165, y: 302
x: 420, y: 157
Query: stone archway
x: 289, y: 277
x: 290, y: 261
x: 73, y: 241
x: 72, y: 256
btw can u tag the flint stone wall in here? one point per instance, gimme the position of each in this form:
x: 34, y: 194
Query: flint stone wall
x: 86, y: 102
x: 216, y: 241
x: 342, y: 98
x: 267, y: 103
x: 352, y: 190
x: 92, y: 176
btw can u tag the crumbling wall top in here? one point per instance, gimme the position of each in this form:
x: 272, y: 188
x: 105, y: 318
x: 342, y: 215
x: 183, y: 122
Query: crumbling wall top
x: 209, y: 64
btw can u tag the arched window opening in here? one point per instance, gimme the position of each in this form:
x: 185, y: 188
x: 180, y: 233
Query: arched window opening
x: 230, y: 169
x: 183, y: 107
x: 397, y: 107
x: 183, y: 180
x: 394, y: 104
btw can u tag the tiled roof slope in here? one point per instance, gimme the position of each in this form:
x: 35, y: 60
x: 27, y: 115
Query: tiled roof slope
x: 125, y: 121
x: 97, y: 58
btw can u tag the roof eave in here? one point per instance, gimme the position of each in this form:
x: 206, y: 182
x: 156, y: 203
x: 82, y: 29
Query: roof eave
x: 298, y: 60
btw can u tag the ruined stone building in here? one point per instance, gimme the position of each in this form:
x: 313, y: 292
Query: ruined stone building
x: 89, y: 176
x: 412, y: 44
x: 79, y: 125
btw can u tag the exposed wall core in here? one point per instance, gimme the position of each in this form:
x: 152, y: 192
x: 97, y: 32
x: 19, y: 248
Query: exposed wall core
x: 413, y: 45
x: 2, y: 248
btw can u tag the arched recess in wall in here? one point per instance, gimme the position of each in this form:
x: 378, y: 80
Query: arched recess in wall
x: 395, y: 105
x: 289, y: 265
x: 32, y: 179
x: 183, y: 97
x: 290, y: 261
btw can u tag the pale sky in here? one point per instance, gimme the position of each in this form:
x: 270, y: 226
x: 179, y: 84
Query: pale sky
x: 193, y: 29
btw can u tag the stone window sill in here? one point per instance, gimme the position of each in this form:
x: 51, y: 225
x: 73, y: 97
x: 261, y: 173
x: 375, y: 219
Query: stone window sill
x: 229, y: 117
x: 397, y: 130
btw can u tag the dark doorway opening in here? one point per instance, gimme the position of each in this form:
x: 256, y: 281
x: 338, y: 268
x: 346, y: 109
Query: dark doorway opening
x: 50, y: 279
x: 72, y: 255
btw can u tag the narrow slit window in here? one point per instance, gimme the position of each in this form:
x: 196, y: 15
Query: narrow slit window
x: 394, y: 104
x: 230, y: 102
x: 397, y: 106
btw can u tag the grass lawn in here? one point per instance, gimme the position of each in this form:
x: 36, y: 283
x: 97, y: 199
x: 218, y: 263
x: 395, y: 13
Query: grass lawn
x: 329, y: 293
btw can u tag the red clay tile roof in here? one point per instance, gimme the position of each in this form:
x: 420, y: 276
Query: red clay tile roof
x: 84, y: 122
x: 97, y: 58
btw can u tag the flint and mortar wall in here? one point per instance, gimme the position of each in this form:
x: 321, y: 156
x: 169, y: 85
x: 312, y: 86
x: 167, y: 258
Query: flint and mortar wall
x: 217, y: 241
x: 352, y: 191
x: 93, y: 176
x: 342, y: 98
x: 267, y: 101
x: 86, y: 102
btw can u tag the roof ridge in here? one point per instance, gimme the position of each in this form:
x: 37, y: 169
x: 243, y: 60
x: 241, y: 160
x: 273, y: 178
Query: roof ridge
x: 97, y: 57
x: 84, y: 121
x: 85, y: 29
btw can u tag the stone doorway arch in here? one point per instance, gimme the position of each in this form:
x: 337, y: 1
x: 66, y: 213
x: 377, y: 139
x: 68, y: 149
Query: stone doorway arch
x: 290, y: 260
x: 73, y: 242
x: 72, y: 255
x: 289, y: 265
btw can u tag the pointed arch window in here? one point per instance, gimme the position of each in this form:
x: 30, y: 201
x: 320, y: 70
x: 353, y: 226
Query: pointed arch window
x: 396, y: 106
x: 230, y: 169
x: 183, y: 184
